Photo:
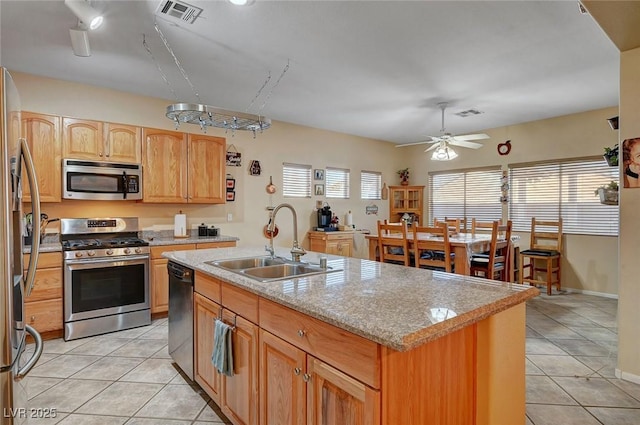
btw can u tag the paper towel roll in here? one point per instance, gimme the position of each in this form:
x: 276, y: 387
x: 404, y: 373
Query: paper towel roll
x: 348, y: 219
x: 180, y: 225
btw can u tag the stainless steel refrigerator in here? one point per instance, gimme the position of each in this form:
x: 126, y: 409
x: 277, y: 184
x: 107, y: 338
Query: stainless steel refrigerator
x: 15, y: 360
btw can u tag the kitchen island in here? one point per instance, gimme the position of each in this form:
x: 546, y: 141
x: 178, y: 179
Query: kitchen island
x: 367, y: 343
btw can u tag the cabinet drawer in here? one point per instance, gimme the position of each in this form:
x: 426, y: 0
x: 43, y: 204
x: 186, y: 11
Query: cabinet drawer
x: 225, y: 244
x: 47, y: 285
x: 242, y: 302
x: 45, y: 259
x: 156, y: 251
x: 322, y: 340
x: 208, y: 286
x: 44, y: 316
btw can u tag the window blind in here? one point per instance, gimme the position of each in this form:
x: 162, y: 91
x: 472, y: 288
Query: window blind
x: 336, y: 183
x: 370, y: 184
x: 563, y: 189
x: 296, y: 180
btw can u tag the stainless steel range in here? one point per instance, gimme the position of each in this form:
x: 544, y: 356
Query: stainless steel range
x: 106, y: 276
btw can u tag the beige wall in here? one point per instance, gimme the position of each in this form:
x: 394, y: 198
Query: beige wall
x: 590, y: 262
x: 629, y: 288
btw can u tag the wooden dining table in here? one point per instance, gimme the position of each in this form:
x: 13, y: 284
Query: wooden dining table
x: 462, y: 245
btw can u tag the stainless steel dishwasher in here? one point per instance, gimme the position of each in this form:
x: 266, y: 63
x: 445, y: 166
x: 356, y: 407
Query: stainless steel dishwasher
x: 181, y: 316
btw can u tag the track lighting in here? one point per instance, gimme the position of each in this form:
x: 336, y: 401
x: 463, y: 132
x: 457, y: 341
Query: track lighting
x: 85, y: 12
x: 80, y: 41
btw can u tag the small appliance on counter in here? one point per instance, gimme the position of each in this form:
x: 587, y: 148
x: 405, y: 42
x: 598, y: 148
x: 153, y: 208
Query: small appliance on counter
x: 324, y: 218
x: 204, y: 231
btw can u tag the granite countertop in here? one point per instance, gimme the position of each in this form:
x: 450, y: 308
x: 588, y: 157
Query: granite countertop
x: 397, y: 306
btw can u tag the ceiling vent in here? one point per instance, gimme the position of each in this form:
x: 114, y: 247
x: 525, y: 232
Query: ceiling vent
x: 468, y: 112
x: 178, y: 11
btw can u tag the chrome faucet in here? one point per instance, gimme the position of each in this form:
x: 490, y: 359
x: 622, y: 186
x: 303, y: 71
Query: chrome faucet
x: 296, y: 251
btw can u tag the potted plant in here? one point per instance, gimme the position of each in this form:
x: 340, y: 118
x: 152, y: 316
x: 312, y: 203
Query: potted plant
x: 608, y: 193
x: 404, y: 176
x: 611, y: 156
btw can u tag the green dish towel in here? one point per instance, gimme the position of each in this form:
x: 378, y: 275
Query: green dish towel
x: 222, y: 356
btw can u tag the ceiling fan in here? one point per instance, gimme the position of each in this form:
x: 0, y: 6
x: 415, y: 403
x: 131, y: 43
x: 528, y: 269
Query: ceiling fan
x: 441, y: 144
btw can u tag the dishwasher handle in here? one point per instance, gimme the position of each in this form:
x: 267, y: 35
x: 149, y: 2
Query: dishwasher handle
x: 181, y: 273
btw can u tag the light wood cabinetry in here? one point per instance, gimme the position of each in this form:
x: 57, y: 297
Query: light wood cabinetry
x: 205, y: 313
x: 95, y: 140
x: 337, y: 243
x: 43, y: 308
x: 406, y: 199
x: 43, y: 135
x: 183, y: 168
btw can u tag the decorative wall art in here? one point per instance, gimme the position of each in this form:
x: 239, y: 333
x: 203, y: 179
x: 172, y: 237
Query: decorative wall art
x: 318, y: 174
x: 234, y: 158
x: 631, y: 162
x: 371, y: 209
x: 231, y: 183
x: 319, y: 190
x: 231, y: 196
x: 254, y: 168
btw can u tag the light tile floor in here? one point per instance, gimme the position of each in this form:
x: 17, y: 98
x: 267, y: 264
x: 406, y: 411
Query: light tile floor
x: 115, y: 379
x: 128, y: 377
x: 571, y: 355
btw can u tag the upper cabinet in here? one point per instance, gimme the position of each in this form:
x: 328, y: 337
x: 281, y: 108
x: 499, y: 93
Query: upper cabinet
x: 183, y: 168
x: 405, y: 199
x: 42, y: 133
x: 94, y: 140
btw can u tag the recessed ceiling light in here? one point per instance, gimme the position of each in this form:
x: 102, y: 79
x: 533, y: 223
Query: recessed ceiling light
x: 241, y: 2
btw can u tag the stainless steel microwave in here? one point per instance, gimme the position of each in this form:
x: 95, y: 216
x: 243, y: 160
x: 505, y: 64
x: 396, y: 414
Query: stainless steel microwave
x: 94, y: 180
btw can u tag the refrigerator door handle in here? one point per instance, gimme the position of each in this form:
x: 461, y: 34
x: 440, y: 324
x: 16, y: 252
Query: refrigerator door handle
x: 36, y: 353
x: 35, y: 205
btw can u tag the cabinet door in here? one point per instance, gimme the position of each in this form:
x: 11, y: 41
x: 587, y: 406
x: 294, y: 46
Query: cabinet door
x: 282, y: 389
x: 334, y: 398
x: 159, y: 279
x: 207, y: 161
x: 205, y: 314
x: 82, y: 139
x: 240, y: 392
x: 44, y: 139
x: 164, y: 160
x: 44, y: 315
x: 123, y: 143
x: 339, y: 247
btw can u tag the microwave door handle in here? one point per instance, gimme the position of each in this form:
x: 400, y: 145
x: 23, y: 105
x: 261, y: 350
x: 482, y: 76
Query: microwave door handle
x: 35, y: 205
x: 125, y: 185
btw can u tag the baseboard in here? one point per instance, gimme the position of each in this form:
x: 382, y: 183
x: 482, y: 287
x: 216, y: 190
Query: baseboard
x: 587, y: 292
x: 627, y: 376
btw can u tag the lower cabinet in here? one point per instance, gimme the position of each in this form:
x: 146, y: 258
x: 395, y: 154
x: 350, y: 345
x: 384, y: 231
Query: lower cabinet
x: 337, y: 243
x: 43, y: 308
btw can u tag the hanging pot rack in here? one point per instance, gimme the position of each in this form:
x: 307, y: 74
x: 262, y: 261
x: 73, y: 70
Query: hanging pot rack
x: 205, y: 115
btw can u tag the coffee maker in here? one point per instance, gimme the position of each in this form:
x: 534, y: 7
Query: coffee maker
x: 324, y: 218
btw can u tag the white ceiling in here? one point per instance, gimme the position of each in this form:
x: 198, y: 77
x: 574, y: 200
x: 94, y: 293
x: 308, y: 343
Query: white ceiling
x: 370, y: 68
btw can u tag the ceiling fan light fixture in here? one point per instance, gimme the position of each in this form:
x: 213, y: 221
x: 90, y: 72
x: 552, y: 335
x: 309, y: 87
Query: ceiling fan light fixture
x: 80, y: 42
x: 86, y: 13
x: 443, y: 153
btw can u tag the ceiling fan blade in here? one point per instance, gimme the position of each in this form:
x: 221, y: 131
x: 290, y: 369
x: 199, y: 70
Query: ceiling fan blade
x: 479, y: 136
x: 465, y: 144
x: 417, y: 143
x: 432, y: 147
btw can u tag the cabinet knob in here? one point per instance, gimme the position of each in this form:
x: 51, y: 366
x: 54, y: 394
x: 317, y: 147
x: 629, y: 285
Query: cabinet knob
x: 297, y: 371
x: 301, y: 333
x: 306, y: 377
x: 100, y: 153
x: 33, y: 319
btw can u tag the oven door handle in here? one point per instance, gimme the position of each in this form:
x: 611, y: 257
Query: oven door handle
x: 107, y: 259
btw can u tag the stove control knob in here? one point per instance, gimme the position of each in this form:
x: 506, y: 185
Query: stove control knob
x: 91, y: 253
x: 127, y: 251
x: 138, y: 250
x: 109, y: 251
x: 78, y: 254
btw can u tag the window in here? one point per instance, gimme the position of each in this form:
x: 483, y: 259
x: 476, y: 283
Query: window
x: 563, y: 189
x: 336, y: 183
x: 296, y: 180
x: 466, y: 194
x: 370, y: 184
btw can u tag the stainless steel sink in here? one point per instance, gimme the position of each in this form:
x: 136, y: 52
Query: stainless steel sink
x: 267, y: 269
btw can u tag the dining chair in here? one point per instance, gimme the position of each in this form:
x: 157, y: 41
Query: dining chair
x: 481, y: 227
x: 453, y: 224
x: 432, y: 249
x: 393, y: 243
x: 494, y: 263
x: 544, y: 256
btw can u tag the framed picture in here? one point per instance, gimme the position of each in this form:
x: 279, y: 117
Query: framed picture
x: 319, y: 190
x: 318, y: 174
x: 231, y: 184
x: 231, y: 196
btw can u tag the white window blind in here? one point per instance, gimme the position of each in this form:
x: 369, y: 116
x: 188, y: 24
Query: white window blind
x: 370, y: 184
x: 465, y: 194
x: 296, y: 180
x: 563, y: 189
x: 336, y: 183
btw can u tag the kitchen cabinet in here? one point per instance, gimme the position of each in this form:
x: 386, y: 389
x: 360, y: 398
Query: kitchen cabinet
x: 43, y: 135
x: 98, y: 141
x: 237, y: 396
x: 158, y: 276
x: 183, y: 168
x: 406, y: 199
x: 337, y: 243
x: 43, y: 308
